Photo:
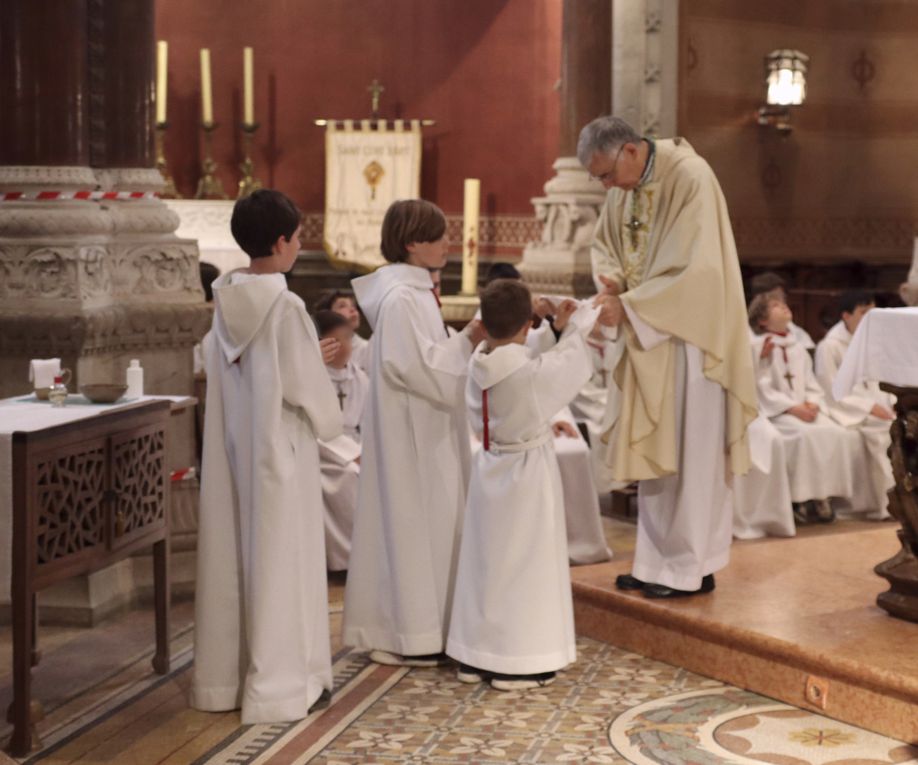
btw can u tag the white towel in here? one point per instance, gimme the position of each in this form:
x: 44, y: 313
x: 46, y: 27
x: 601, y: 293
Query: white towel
x: 43, y: 371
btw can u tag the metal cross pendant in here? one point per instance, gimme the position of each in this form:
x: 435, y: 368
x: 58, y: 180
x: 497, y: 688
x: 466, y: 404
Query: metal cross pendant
x: 790, y: 379
x: 341, y: 396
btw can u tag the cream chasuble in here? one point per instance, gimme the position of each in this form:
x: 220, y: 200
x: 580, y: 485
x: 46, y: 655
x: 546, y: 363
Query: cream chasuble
x: 669, y: 244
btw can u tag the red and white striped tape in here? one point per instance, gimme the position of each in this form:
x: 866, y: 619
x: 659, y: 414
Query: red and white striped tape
x: 42, y: 196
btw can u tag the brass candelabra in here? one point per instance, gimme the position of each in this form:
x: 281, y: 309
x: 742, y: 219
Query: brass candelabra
x: 248, y: 182
x: 208, y: 185
x: 169, y: 191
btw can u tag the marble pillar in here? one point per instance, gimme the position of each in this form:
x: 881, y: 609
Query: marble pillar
x: 95, y: 282
x: 559, y: 263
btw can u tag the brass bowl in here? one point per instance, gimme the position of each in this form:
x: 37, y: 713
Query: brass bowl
x: 103, y: 393
x: 42, y: 393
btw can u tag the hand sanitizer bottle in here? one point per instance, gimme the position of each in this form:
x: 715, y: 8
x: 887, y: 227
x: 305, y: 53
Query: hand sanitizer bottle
x: 57, y: 393
x: 134, y: 379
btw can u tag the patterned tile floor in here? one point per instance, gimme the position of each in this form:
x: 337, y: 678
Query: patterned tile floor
x: 610, y: 707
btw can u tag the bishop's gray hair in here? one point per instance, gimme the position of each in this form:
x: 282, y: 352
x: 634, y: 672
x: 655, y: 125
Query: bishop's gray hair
x: 604, y: 135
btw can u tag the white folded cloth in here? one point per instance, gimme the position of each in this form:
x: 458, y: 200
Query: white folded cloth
x: 43, y: 371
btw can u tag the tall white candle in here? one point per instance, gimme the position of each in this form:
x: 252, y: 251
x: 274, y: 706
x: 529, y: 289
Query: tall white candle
x: 470, y: 212
x: 162, y: 57
x: 248, y: 101
x: 207, y: 103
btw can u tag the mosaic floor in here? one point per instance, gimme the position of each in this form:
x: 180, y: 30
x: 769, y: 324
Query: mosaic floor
x: 610, y: 707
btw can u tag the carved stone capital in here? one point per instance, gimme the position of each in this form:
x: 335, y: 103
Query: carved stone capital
x: 560, y: 261
x: 48, y: 177
x: 130, y: 179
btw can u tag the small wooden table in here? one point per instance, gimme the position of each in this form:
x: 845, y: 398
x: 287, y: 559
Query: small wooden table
x: 85, y: 495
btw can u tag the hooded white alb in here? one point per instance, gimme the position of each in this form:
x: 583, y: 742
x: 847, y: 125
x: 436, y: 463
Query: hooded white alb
x: 413, y: 469
x: 261, y: 607
x: 512, y: 610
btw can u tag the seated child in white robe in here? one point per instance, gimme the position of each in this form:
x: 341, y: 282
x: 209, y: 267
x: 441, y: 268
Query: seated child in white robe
x: 866, y: 409
x: 772, y: 284
x: 818, y: 451
x: 339, y: 459
x: 512, y: 617
x: 344, y: 303
x: 261, y: 611
x: 415, y: 450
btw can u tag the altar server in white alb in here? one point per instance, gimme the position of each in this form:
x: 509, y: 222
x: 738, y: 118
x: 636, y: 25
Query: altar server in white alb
x: 339, y: 458
x: 866, y: 409
x: 819, y: 452
x: 512, y: 618
x: 666, y: 265
x: 261, y: 610
x: 415, y: 462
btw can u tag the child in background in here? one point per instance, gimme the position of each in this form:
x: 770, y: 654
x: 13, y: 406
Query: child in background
x: 819, y: 452
x: 867, y: 409
x: 339, y: 459
x: 344, y: 303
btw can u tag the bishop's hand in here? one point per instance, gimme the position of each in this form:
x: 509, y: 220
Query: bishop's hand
x: 611, y: 310
x: 609, y: 286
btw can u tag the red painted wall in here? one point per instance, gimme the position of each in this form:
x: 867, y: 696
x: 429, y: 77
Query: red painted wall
x: 485, y: 70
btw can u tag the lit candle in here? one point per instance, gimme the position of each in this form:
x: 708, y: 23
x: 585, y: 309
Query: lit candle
x: 207, y: 103
x: 248, y: 101
x: 162, y: 56
x: 471, y: 206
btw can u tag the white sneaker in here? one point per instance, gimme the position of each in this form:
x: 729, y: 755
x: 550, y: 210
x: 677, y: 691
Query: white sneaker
x: 470, y: 675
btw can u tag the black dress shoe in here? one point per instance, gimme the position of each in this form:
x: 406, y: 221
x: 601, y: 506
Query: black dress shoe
x: 628, y: 582
x: 662, y: 591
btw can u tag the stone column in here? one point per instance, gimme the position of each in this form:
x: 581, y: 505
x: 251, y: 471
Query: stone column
x: 560, y: 261
x: 95, y: 282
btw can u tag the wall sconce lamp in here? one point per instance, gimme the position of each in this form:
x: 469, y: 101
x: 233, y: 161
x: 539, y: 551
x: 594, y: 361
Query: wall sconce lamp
x: 785, y: 79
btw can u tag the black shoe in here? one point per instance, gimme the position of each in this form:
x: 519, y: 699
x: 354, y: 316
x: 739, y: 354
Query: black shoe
x: 521, y: 682
x: 662, y: 591
x: 628, y: 582
x: 801, y: 517
x: 323, y: 702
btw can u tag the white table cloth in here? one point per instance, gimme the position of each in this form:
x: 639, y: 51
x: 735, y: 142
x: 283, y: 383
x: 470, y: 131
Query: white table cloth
x: 884, y: 349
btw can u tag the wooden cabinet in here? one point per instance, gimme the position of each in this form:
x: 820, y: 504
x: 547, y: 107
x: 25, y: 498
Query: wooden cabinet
x: 85, y: 495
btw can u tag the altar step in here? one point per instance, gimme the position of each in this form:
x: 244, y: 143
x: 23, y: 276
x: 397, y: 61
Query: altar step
x: 793, y: 619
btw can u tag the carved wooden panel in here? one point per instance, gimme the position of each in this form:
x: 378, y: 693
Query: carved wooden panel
x: 69, y: 501
x: 138, y: 482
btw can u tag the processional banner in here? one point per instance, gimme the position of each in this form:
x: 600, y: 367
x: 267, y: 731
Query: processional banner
x: 366, y: 170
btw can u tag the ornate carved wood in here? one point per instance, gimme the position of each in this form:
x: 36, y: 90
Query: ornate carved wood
x: 901, y: 571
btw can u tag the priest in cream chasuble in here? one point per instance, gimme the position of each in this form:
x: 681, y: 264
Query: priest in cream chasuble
x: 683, y: 393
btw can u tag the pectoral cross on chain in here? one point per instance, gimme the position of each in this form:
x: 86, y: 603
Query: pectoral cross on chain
x: 634, y: 226
x: 790, y: 379
x: 341, y: 396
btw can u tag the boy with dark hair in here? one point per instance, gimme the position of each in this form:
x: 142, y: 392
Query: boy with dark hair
x: 339, y: 459
x: 512, y: 617
x: 866, y: 409
x: 415, y: 460
x: 261, y: 611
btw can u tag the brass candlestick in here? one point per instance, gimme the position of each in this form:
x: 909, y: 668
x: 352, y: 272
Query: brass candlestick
x: 208, y: 186
x: 248, y: 183
x: 169, y: 191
